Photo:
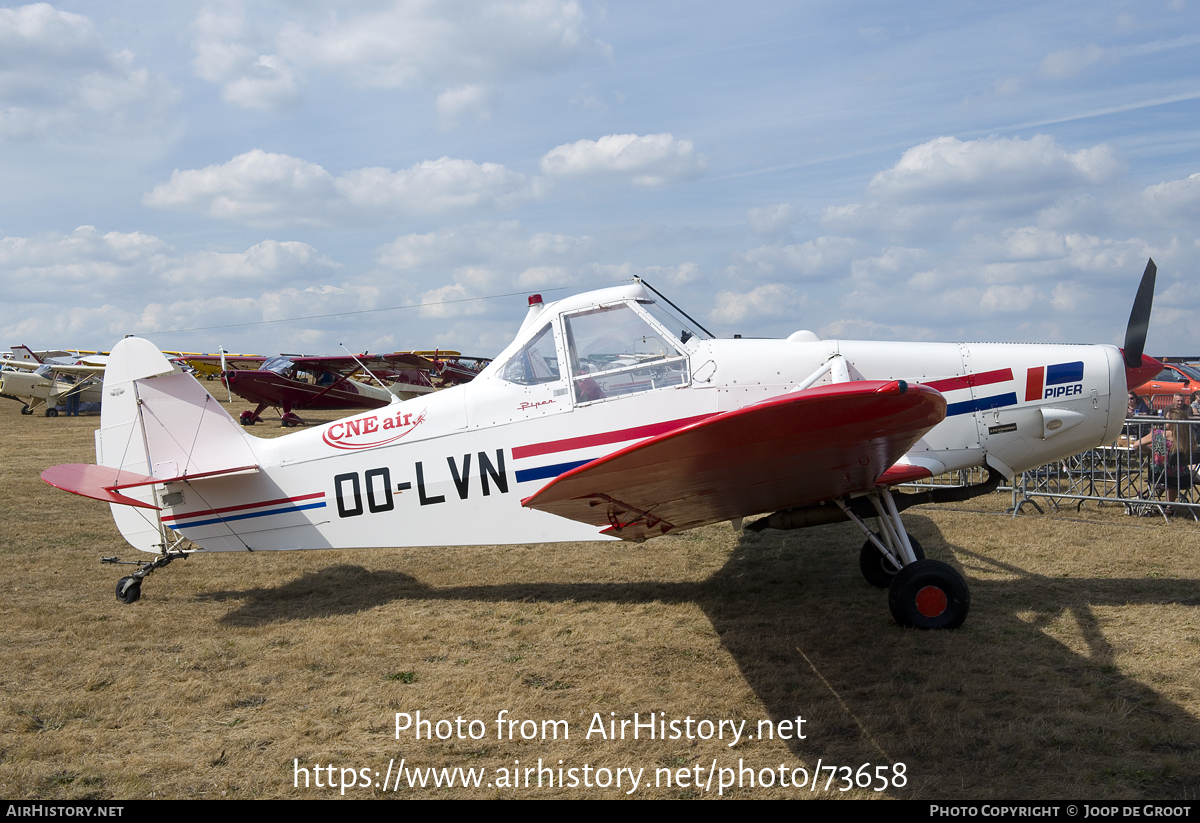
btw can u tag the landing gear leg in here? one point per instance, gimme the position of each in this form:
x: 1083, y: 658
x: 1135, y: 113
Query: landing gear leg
x: 129, y: 589
x: 923, y: 594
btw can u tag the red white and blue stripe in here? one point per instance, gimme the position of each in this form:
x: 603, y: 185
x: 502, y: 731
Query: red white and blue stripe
x: 544, y: 461
x: 245, y: 511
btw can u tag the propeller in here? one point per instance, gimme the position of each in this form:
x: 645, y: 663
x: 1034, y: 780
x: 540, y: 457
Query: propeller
x: 1138, y: 366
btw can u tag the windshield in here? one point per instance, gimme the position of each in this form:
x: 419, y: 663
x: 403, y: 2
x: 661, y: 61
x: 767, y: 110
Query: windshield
x: 1190, y: 371
x: 277, y: 364
x: 674, y: 322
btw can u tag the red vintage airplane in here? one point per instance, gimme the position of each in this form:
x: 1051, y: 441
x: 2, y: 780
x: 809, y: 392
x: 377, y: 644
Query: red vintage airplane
x: 290, y: 382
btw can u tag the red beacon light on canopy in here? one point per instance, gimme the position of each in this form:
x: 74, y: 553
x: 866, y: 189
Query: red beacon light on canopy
x: 535, y: 300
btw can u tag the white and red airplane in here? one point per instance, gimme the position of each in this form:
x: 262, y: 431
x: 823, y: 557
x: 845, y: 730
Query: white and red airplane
x: 611, y: 415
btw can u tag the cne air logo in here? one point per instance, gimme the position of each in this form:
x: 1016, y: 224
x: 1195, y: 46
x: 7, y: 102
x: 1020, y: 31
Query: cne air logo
x: 1059, y: 380
x: 368, y: 432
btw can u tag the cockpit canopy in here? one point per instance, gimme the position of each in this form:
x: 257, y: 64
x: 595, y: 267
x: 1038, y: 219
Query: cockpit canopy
x: 607, y: 351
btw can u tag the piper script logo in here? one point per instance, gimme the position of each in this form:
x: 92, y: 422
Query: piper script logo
x: 1059, y: 380
x: 369, y: 432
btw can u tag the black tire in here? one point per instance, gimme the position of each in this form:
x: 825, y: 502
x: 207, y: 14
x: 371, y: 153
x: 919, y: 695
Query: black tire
x: 26, y: 410
x: 129, y: 589
x: 246, y: 421
x: 52, y: 412
x: 929, y: 594
x: 875, y: 568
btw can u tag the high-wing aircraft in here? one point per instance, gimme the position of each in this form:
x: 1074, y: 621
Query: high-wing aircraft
x: 613, y: 416
x: 210, y: 366
x: 293, y: 382
x: 48, y: 383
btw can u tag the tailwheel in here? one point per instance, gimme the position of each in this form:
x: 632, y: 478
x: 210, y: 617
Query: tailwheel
x: 129, y: 589
x: 876, y: 568
x: 929, y: 594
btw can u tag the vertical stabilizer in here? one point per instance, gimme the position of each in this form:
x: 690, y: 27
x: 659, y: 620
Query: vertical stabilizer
x: 159, y: 422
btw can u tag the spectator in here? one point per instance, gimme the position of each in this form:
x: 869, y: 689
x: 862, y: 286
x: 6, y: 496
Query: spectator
x: 1171, y: 449
x: 1137, y: 405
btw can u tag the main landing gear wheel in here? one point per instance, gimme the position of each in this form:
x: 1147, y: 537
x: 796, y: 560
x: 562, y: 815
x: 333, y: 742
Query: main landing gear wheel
x: 26, y: 410
x: 929, y: 594
x: 129, y: 589
x: 876, y: 568
x: 52, y: 412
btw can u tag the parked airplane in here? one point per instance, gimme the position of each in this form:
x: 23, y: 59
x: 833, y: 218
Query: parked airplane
x: 293, y: 382
x: 48, y: 383
x: 612, y: 416
x: 210, y: 366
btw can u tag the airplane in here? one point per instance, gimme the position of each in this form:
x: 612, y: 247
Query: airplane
x: 612, y: 416
x: 35, y: 382
x: 210, y: 366
x: 296, y: 382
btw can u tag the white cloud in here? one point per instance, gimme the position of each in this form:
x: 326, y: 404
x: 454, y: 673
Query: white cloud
x: 455, y: 45
x: 814, y: 258
x: 257, y: 187
x: 541, y: 277
x: 227, y: 52
x: 87, y: 264
x: 439, y: 185
x: 57, y: 78
x: 501, y: 247
x: 1009, y: 299
x: 1175, y: 200
x: 771, y: 220
x: 950, y: 169
x: 648, y: 160
x: 397, y: 43
x: 267, y: 83
x: 472, y: 100
x: 766, y: 302
x: 267, y: 189
x: 449, y: 301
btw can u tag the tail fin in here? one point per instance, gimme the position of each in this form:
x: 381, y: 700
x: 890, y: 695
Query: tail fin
x: 157, y: 425
x: 25, y: 353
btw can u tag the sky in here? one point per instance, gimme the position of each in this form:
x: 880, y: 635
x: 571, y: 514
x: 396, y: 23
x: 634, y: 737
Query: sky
x: 400, y: 175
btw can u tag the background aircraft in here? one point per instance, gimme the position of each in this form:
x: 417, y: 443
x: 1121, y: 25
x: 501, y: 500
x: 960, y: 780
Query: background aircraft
x: 48, y: 379
x: 613, y: 416
x: 291, y: 382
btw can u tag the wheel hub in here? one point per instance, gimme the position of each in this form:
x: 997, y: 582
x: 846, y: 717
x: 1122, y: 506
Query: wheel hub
x: 931, y: 601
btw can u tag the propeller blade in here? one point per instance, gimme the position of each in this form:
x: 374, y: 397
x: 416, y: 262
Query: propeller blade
x: 1139, y: 318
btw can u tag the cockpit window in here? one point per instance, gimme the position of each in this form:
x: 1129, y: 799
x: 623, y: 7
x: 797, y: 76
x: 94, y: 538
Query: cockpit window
x: 276, y: 364
x: 674, y: 322
x: 536, y: 362
x: 614, y: 351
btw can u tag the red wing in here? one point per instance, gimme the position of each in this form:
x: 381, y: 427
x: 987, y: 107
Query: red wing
x: 96, y: 482
x: 105, y: 483
x: 795, y: 450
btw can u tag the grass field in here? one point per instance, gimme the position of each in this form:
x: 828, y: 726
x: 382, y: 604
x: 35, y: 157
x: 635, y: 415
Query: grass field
x: 1075, y: 676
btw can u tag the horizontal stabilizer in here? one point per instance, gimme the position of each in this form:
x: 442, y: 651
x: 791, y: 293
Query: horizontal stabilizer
x: 795, y: 450
x: 97, y: 482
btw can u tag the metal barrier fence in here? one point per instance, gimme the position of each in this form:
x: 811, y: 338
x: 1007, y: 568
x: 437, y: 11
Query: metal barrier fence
x: 1151, y: 470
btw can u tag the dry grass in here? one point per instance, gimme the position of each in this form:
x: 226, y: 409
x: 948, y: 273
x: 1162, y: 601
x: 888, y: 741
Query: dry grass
x: 1074, y: 677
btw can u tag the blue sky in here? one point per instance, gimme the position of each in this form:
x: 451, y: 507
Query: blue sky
x: 935, y: 171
